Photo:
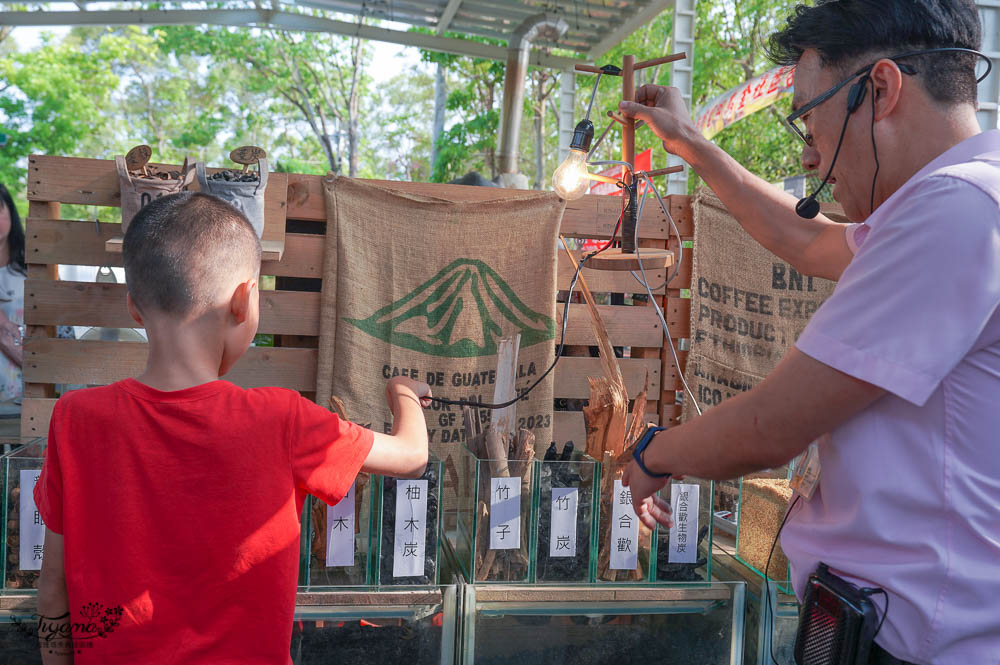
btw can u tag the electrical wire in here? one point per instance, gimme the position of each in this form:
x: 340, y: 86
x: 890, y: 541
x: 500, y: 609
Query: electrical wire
x: 600, y: 139
x: 885, y: 612
x: 572, y: 288
x: 652, y: 298
x: 871, y: 205
x: 766, y: 601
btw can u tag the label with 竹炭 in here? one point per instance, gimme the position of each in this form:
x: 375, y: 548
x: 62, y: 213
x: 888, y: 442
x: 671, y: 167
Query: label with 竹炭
x: 562, y: 539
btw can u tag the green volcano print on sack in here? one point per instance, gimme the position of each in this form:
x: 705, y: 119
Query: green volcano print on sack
x: 461, y: 312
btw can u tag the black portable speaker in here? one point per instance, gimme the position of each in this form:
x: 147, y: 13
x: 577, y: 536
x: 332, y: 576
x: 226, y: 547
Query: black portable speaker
x: 837, y: 622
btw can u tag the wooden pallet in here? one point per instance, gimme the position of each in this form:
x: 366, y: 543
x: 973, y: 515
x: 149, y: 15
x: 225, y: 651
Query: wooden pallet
x: 292, y: 312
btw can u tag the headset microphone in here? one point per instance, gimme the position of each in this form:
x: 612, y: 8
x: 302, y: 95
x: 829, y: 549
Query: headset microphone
x: 808, y: 207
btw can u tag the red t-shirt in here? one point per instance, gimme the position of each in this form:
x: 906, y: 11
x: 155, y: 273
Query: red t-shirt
x: 183, y: 508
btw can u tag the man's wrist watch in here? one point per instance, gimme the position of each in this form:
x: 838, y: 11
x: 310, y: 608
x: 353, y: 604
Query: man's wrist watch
x: 641, y: 447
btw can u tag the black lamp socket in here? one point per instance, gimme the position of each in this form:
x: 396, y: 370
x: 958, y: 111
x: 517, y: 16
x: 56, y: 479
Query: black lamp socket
x: 583, y: 136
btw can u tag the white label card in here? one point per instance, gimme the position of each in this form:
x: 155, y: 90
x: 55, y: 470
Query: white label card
x: 624, y: 530
x: 340, y: 532
x: 684, y: 535
x: 32, y: 527
x: 562, y: 539
x: 411, y: 528
x: 505, y: 513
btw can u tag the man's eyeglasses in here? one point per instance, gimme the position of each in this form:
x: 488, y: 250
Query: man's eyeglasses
x: 794, y: 121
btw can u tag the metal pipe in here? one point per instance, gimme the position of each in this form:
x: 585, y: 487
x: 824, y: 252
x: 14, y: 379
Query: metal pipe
x: 518, y: 50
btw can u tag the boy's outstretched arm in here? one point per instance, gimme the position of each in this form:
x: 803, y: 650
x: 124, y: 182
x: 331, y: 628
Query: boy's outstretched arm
x: 402, y: 454
x: 53, y: 603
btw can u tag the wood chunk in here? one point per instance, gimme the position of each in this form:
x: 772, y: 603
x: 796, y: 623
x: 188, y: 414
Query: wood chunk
x: 503, y: 421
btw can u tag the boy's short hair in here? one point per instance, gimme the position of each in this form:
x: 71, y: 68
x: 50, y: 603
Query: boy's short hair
x: 180, y: 250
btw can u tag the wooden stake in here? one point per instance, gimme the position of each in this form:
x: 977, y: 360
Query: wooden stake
x: 503, y: 420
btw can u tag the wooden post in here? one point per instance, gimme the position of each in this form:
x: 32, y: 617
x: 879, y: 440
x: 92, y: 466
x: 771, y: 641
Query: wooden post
x: 628, y: 131
x: 38, y: 210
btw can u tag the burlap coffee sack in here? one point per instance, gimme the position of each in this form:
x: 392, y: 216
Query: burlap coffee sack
x: 425, y: 287
x: 747, y: 307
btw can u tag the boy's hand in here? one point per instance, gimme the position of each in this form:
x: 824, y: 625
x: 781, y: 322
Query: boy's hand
x: 403, y: 387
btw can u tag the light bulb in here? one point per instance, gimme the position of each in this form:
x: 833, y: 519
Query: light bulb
x: 570, y: 179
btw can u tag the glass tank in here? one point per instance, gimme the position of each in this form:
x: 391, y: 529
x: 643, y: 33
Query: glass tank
x: 23, y: 529
x: 505, y: 625
x: 567, y: 509
x: 376, y: 626
x: 408, y: 546
x: 494, y: 536
x: 336, y: 543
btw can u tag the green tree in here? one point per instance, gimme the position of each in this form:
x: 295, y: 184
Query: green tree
x: 730, y: 39
x: 470, y: 142
x: 321, y: 78
x: 53, y: 100
x: 399, y: 128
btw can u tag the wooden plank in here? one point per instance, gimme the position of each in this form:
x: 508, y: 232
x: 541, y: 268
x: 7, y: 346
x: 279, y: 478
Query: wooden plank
x: 82, y: 243
x: 683, y: 278
x: 571, y: 376
x: 596, y: 217
x: 682, y: 210
x: 48, y: 360
x: 627, y: 326
x: 95, y: 182
x: 671, y: 376
x: 89, y: 304
x: 678, y: 316
x: 606, y: 281
x: 589, y: 217
x: 569, y: 426
x: 270, y: 250
x: 670, y: 414
x: 35, y: 415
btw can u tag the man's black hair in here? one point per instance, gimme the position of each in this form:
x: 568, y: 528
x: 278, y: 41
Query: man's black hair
x: 15, y: 239
x: 845, y: 32
x: 180, y: 248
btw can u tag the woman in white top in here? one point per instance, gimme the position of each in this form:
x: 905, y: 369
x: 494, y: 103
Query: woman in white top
x: 13, y: 271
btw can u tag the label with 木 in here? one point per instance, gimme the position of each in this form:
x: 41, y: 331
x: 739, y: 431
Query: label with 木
x: 562, y: 539
x: 505, y: 513
x: 624, y: 530
x: 32, y: 534
x: 411, y: 525
x: 340, y: 532
x: 684, y: 535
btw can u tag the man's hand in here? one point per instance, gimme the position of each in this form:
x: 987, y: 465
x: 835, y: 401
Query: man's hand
x: 401, y: 387
x: 663, y: 109
x: 650, y: 508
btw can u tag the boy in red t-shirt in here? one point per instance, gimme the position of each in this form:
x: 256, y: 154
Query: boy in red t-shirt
x: 172, y: 501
